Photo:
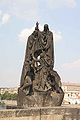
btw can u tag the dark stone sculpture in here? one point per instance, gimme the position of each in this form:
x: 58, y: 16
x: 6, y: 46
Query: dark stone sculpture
x: 40, y: 85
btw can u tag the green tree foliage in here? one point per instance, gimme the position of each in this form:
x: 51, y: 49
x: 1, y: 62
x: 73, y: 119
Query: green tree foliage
x: 8, y: 96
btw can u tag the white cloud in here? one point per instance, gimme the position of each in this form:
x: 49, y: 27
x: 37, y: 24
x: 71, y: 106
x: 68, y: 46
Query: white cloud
x: 71, y: 3
x: 5, y: 18
x: 25, y: 9
x: 57, y: 35
x: 24, y: 34
x: 22, y: 8
x: 0, y: 17
x: 60, y: 3
x: 29, y: 9
x: 54, y: 3
x: 74, y: 64
x: 0, y: 13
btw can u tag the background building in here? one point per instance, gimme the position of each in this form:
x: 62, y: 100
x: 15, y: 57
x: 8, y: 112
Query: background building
x: 9, y: 90
x: 72, y: 93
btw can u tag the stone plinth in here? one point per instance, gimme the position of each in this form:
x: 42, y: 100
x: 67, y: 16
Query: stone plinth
x: 46, y: 113
x: 39, y: 99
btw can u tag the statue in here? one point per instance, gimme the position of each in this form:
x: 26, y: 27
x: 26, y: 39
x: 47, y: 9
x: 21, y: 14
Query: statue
x: 40, y: 85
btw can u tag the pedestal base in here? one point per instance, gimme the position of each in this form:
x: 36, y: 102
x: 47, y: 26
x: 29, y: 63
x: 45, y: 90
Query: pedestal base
x: 39, y: 99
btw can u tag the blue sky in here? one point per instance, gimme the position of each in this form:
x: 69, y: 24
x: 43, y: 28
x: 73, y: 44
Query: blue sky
x: 17, y: 20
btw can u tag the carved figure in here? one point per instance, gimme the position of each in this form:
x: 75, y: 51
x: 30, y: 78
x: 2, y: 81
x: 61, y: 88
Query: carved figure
x: 38, y: 79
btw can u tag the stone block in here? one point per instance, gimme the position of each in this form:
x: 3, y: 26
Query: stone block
x: 52, y: 110
x: 22, y: 118
x: 52, y: 117
x: 7, y: 113
x: 71, y: 111
x: 27, y: 112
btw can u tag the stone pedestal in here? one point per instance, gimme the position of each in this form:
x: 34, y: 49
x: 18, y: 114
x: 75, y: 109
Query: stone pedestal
x: 46, y: 113
x: 39, y: 99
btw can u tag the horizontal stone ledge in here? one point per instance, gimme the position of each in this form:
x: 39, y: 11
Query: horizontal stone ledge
x: 43, y: 111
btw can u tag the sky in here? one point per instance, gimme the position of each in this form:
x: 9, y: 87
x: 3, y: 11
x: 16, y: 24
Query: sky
x: 17, y: 22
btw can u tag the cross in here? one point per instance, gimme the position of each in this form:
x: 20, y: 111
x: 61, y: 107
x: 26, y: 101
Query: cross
x: 37, y: 26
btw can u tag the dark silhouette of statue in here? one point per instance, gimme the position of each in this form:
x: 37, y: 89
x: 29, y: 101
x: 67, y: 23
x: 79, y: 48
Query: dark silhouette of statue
x: 40, y: 85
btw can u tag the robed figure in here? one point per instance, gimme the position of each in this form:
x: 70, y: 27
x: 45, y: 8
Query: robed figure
x: 38, y: 75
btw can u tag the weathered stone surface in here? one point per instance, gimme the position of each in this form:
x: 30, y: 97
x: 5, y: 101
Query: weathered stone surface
x: 39, y: 99
x: 7, y: 113
x: 27, y: 112
x: 44, y: 113
x: 70, y: 111
x: 22, y: 118
x: 40, y: 85
x: 51, y: 111
x: 52, y: 117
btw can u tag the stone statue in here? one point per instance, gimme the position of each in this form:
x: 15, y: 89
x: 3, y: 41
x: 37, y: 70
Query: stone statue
x: 40, y: 85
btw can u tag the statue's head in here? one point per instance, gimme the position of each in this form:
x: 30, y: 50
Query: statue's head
x: 46, y: 27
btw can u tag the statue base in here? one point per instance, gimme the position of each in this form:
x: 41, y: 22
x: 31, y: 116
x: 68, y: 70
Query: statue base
x: 42, y: 98
x: 39, y: 99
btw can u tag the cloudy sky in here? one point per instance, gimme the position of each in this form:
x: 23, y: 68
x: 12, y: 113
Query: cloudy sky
x: 17, y: 21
